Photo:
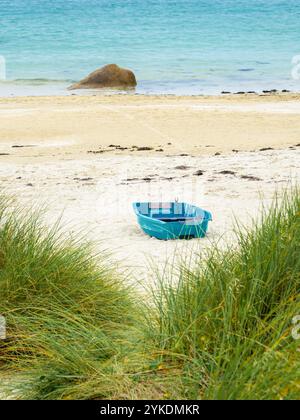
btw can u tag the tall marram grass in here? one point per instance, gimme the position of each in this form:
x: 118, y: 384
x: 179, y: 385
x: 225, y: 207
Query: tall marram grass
x: 217, y: 329
x: 227, y: 320
x: 69, y: 315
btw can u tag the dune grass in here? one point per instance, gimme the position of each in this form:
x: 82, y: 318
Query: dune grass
x: 228, y: 320
x: 67, y: 313
x: 217, y: 329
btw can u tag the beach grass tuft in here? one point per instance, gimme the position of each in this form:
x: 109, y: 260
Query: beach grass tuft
x: 67, y: 311
x: 227, y: 320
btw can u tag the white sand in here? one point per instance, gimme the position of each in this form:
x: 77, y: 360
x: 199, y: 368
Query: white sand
x: 101, y: 206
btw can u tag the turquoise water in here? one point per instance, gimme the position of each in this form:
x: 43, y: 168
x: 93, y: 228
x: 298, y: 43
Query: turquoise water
x: 173, y: 46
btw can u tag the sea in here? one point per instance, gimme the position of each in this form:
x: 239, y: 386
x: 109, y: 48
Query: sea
x: 180, y: 47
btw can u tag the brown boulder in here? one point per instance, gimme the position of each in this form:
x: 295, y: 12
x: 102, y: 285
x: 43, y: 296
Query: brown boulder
x: 110, y: 76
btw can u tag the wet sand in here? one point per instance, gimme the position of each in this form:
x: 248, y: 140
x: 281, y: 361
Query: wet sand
x: 59, y: 127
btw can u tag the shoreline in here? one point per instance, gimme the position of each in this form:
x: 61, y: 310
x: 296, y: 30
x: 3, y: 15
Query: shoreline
x: 103, y: 93
x: 44, y: 87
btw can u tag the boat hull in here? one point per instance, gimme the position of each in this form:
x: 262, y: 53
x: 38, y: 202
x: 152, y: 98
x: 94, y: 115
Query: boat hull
x: 167, y: 221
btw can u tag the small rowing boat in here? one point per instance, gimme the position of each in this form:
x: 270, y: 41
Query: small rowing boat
x: 172, y: 220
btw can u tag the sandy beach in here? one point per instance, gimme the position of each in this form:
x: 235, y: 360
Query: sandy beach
x: 106, y: 106
x: 71, y: 126
x: 86, y: 159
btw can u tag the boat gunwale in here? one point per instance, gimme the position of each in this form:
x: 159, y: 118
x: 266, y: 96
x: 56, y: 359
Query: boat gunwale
x: 207, y: 215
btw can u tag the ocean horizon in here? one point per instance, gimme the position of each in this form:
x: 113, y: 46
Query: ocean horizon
x: 181, y: 47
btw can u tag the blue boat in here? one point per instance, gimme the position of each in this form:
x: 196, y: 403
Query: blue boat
x: 172, y: 220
